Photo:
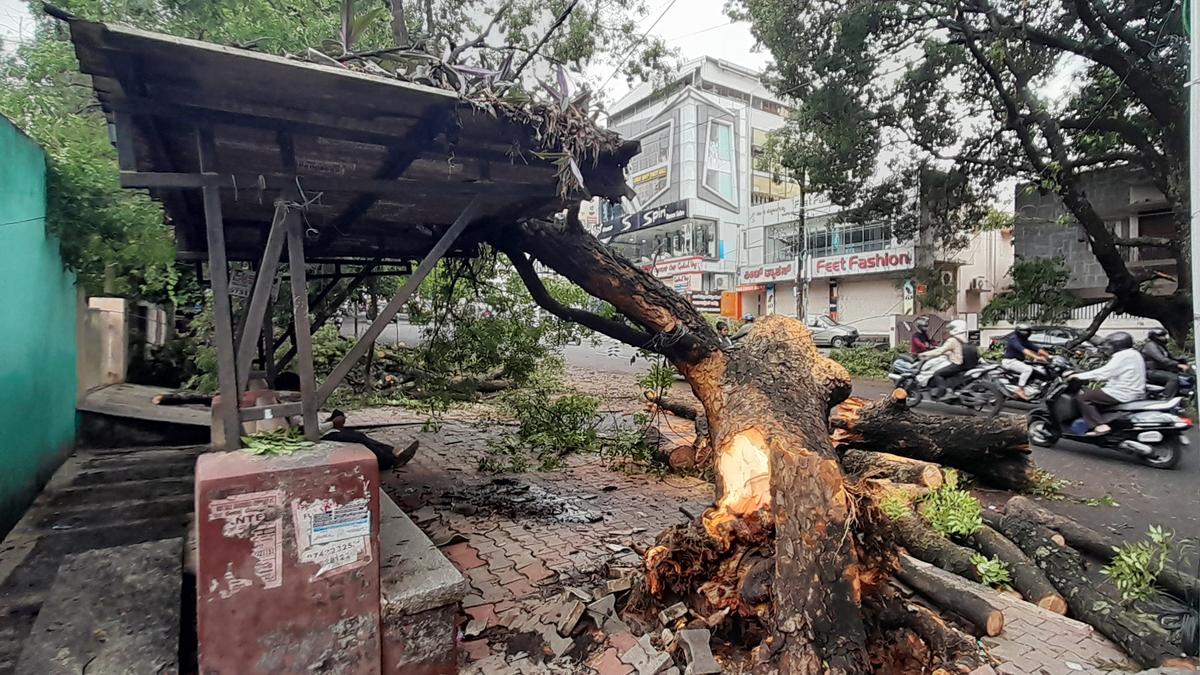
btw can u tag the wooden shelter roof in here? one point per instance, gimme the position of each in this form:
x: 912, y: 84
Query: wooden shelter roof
x: 384, y: 165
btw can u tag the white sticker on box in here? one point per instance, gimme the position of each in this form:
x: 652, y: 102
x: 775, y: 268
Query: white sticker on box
x: 335, y: 537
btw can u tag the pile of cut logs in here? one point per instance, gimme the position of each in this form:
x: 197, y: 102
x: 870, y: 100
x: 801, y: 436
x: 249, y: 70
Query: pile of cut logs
x: 891, y: 449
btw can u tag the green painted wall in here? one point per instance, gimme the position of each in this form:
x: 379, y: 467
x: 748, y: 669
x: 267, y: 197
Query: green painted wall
x: 37, y: 331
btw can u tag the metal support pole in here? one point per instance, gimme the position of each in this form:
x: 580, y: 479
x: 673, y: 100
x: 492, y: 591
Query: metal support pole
x: 308, y: 399
x: 1194, y: 163
x: 381, y: 321
x: 222, y: 315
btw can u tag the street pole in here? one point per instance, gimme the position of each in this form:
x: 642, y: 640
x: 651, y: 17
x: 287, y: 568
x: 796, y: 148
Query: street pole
x: 800, y: 289
x: 1194, y: 165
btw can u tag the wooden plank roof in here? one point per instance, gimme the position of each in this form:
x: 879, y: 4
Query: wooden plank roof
x: 385, y: 165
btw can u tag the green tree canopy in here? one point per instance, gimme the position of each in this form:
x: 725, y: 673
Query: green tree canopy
x: 989, y: 90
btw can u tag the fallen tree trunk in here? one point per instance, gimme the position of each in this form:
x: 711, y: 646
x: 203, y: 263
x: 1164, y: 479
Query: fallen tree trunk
x: 949, y: 649
x: 901, y: 469
x: 925, y: 543
x: 1091, y: 542
x: 1146, y: 642
x: 987, y: 619
x: 1026, y: 577
x: 994, y: 451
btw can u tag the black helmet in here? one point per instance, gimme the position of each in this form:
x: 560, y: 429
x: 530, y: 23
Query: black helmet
x: 749, y: 318
x: 1024, y: 330
x: 922, y: 323
x: 1118, y: 341
x: 1158, y: 335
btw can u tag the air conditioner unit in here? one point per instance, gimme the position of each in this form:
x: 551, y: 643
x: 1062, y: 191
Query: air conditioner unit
x: 978, y: 284
x: 721, y: 282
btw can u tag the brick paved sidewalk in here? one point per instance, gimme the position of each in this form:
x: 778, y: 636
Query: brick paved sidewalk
x: 524, y: 570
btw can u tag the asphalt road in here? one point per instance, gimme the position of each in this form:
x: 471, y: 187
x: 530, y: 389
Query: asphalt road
x: 1145, y: 496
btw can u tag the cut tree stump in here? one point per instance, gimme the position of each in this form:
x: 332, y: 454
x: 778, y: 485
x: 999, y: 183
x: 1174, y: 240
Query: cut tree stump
x: 1026, y: 577
x: 994, y: 451
x: 1091, y: 542
x: 1145, y: 641
x: 672, y: 442
x: 886, y: 465
x: 986, y: 619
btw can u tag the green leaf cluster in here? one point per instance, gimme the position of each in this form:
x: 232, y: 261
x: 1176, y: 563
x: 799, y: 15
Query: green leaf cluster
x: 1038, y: 293
x: 992, y: 571
x: 1135, y: 566
x: 866, y: 360
x: 952, y: 511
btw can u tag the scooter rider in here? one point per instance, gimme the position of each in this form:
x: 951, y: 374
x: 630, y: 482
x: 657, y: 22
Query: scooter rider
x: 921, y: 342
x: 1018, y: 352
x: 952, y: 349
x: 1125, y: 377
x: 1162, y: 369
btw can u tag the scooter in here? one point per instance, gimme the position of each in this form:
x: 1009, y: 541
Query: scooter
x: 973, y: 388
x: 1039, y: 383
x: 1149, y: 430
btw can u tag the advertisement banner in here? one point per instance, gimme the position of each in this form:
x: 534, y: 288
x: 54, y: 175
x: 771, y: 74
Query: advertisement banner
x: 707, y: 302
x: 646, y: 218
x: 887, y: 260
x: 784, y: 271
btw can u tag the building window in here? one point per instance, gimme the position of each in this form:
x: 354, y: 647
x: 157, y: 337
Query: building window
x: 650, y: 170
x: 826, y: 239
x: 681, y: 239
x: 781, y: 242
x: 1156, y: 224
x: 720, y: 174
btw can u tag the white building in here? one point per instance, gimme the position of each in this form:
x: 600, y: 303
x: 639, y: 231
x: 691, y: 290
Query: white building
x: 857, y: 273
x: 694, y: 178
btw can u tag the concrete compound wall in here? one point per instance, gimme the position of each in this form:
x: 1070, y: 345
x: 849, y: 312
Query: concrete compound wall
x: 37, y: 331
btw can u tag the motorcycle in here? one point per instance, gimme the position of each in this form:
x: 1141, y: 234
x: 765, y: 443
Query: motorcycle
x: 972, y: 388
x: 1035, y: 389
x: 1186, y: 391
x: 1149, y: 430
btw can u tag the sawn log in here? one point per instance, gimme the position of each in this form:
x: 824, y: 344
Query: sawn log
x: 987, y: 619
x: 994, y: 451
x: 1026, y: 577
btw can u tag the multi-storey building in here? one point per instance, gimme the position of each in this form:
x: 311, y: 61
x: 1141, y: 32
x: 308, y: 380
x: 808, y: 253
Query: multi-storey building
x: 695, y: 178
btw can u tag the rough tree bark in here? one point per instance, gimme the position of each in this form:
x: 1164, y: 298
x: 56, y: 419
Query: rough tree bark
x: 1026, y: 577
x: 995, y: 451
x: 766, y: 404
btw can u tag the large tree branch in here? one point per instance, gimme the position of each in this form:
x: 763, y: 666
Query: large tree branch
x: 1105, y: 311
x: 1148, y: 242
x: 613, y: 329
x: 478, y: 41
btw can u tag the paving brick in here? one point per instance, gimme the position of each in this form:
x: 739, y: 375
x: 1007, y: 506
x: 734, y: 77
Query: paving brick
x: 475, y: 649
x: 608, y: 663
x: 485, y: 614
x: 463, y: 556
x: 536, y: 572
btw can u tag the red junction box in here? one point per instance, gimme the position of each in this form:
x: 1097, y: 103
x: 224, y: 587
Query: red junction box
x: 288, y: 562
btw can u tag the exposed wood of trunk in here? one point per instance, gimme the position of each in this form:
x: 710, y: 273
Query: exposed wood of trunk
x: 987, y: 619
x: 1026, y: 577
x: 994, y: 451
x: 1146, y: 643
x: 925, y: 543
x: 903, y: 469
x: 399, y: 24
x: 1091, y: 542
x: 766, y: 405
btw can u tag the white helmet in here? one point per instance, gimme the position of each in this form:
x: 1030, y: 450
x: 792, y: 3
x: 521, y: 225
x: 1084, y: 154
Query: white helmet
x: 957, y: 328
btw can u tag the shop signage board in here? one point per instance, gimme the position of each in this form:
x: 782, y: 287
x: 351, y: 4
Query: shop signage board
x: 783, y: 271
x: 892, y: 259
x: 646, y: 218
x: 674, y: 266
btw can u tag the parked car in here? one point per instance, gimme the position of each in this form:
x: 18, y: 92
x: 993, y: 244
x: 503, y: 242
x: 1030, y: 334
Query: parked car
x: 1053, y: 338
x: 829, y: 333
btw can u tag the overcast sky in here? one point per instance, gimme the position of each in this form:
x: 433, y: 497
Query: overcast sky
x: 696, y: 27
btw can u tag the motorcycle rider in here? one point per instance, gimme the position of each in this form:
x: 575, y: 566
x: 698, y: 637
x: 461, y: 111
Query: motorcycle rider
x: 953, y: 350
x: 1018, y: 352
x: 1125, y: 381
x: 921, y: 341
x: 747, y: 324
x: 1161, y: 368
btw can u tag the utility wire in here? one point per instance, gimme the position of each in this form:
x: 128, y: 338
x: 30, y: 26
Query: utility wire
x: 641, y: 39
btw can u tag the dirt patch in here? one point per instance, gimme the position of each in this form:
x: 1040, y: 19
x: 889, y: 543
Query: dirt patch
x: 517, y: 500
